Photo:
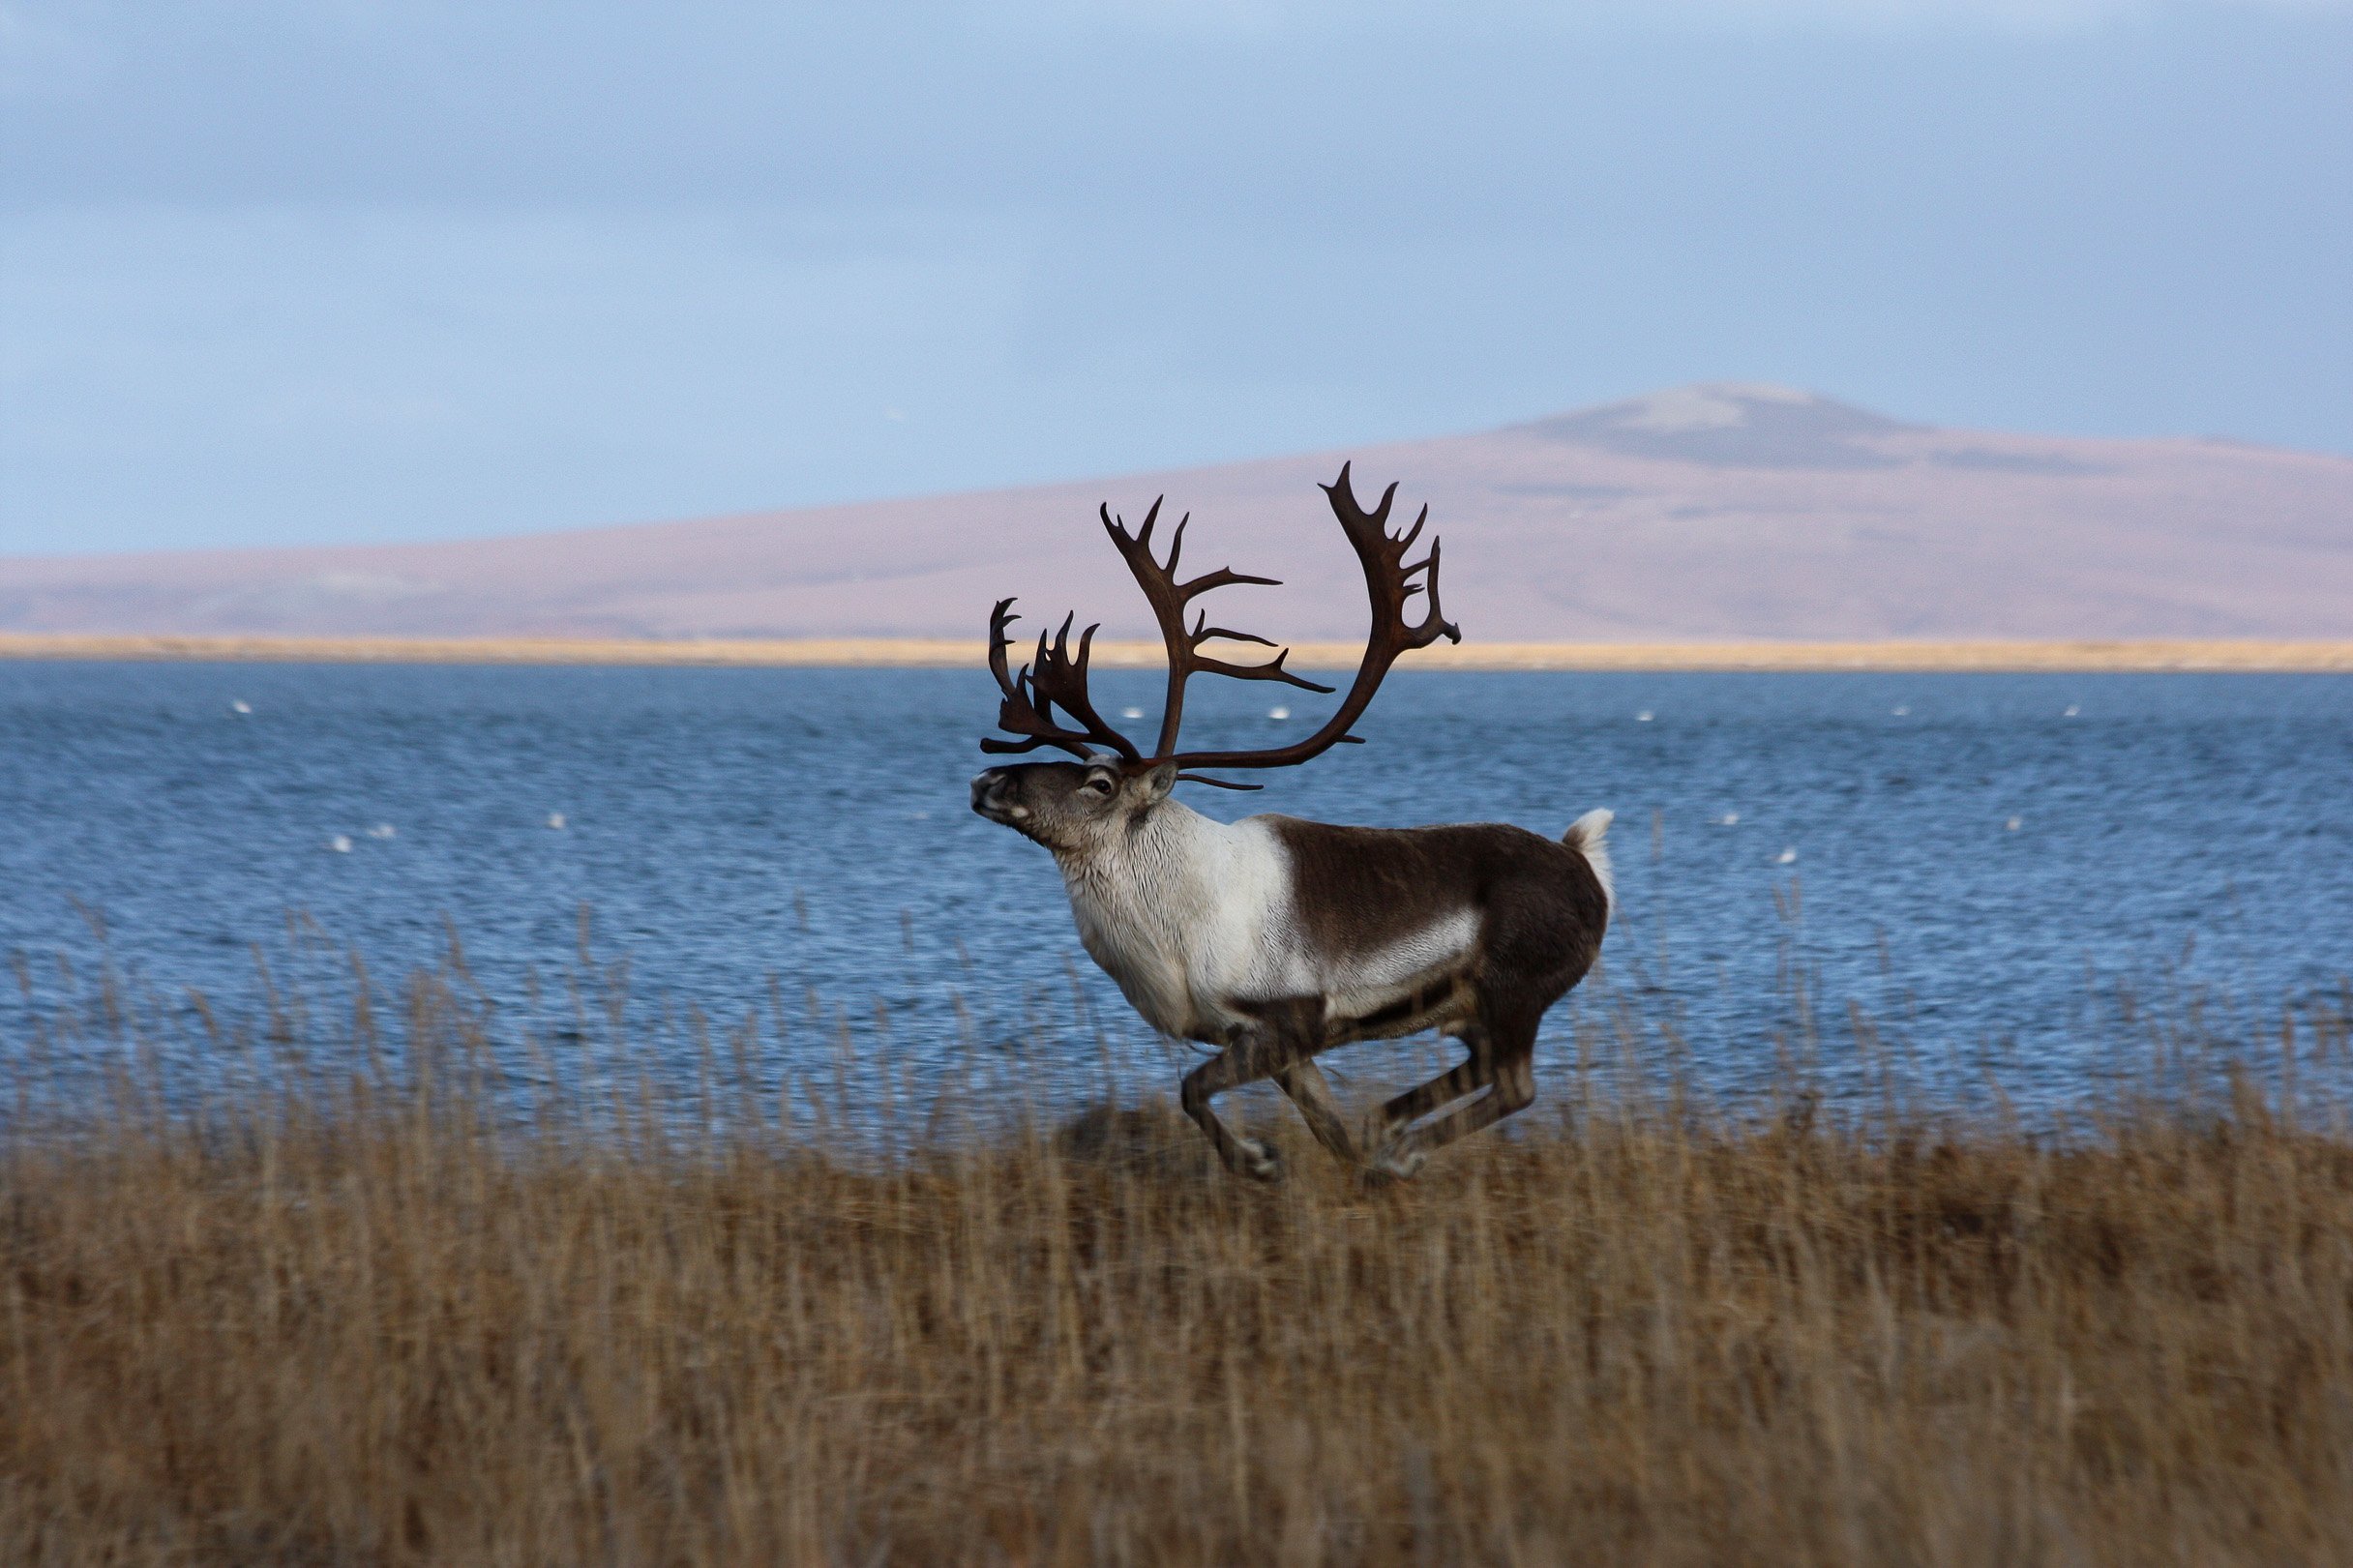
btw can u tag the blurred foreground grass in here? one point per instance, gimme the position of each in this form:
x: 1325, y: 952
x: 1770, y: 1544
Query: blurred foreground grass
x: 399, y: 1318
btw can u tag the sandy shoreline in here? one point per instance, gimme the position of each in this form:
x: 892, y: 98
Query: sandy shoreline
x: 2246, y: 655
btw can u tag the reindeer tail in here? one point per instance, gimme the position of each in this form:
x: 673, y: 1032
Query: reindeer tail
x: 1588, y: 837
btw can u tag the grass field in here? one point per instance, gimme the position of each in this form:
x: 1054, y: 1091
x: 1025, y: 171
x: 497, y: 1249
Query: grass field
x: 395, y: 1318
x: 1987, y: 655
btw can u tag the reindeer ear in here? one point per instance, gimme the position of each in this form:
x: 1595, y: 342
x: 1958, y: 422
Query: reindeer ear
x: 1158, y: 784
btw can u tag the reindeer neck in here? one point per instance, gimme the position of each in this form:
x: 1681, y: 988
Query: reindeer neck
x: 1152, y: 853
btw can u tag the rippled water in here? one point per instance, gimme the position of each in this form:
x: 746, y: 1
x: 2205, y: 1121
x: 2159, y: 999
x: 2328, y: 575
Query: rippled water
x: 1976, y: 861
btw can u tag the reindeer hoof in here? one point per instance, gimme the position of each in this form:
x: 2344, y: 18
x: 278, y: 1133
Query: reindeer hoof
x: 1259, y: 1162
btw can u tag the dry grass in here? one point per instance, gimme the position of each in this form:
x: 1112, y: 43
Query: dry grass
x: 366, y: 1322
x: 2241, y: 654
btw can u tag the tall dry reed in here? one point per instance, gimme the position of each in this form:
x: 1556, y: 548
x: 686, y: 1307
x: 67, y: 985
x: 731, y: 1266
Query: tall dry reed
x: 388, y: 1319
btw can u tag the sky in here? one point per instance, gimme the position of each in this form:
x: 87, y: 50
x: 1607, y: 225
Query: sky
x: 371, y: 270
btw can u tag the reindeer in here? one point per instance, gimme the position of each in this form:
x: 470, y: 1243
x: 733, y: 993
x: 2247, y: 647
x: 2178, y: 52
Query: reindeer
x: 1276, y: 939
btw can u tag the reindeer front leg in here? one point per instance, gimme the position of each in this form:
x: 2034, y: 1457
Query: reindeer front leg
x: 1278, y: 1041
x: 1303, y: 1082
x: 1252, y: 1056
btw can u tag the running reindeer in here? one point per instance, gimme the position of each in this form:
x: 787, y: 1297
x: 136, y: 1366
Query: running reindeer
x: 1278, y: 938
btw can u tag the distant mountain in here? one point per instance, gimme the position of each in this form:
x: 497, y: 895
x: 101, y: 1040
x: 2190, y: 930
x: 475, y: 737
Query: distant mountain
x: 1699, y: 512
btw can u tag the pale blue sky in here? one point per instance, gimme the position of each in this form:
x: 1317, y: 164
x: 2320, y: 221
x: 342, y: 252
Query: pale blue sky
x: 371, y: 269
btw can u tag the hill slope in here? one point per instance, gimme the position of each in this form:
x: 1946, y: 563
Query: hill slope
x: 1700, y: 513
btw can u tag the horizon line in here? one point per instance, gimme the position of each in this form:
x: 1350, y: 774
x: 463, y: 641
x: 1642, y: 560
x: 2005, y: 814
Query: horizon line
x: 1928, y: 656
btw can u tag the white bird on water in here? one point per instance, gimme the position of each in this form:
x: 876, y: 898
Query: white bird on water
x: 341, y: 843
x: 1278, y: 713
x: 1643, y: 718
x: 383, y: 830
x: 1131, y: 713
x: 1787, y: 857
x: 555, y: 819
x: 1730, y: 820
x: 2015, y: 823
x: 240, y: 705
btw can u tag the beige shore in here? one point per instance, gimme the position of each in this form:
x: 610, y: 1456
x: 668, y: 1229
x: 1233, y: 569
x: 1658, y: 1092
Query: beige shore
x: 938, y: 653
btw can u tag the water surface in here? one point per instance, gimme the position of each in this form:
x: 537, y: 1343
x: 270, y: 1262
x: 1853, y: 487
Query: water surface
x: 1976, y: 861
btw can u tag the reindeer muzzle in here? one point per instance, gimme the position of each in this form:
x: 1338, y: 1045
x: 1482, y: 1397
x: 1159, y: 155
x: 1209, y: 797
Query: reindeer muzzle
x: 988, y: 795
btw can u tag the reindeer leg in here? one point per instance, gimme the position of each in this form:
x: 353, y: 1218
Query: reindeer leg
x: 1472, y: 1073
x: 1253, y: 1056
x: 1513, y: 1089
x: 1303, y: 1082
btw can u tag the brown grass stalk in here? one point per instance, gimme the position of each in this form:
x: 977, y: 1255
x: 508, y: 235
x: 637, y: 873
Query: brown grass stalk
x: 387, y: 1322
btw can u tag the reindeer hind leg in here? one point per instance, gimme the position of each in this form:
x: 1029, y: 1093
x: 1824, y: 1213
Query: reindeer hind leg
x: 1474, y: 1072
x: 1511, y: 1087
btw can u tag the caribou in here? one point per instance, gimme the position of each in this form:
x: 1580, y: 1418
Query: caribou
x: 1272, y: 938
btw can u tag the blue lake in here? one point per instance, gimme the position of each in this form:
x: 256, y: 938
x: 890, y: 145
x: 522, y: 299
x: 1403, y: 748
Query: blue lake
x: 1982, y: 864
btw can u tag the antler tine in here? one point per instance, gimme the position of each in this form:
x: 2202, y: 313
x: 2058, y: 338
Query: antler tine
x: 1428, y: 567
x: 1405, y: 541
x: 1203, y: 632
x: 999, y: 618
x: 1270, y: 670
x: 1389, y: 585
x: 1056, y: 680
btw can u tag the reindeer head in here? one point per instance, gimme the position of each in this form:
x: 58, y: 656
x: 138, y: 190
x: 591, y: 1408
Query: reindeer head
x: 1068, y: 804
x: 1071, y: 808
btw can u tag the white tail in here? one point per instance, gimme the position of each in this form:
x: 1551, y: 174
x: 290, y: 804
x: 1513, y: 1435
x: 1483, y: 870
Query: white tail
x: 1588, y: 837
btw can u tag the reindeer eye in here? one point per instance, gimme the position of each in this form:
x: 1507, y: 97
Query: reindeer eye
x: 1097, y: 786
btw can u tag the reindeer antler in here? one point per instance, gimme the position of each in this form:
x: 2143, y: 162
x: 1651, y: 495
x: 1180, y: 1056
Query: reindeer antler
x: 1061, y: 678
x: 1388, y: 582
x: 1058, y: 681
x: 1169, y: 598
